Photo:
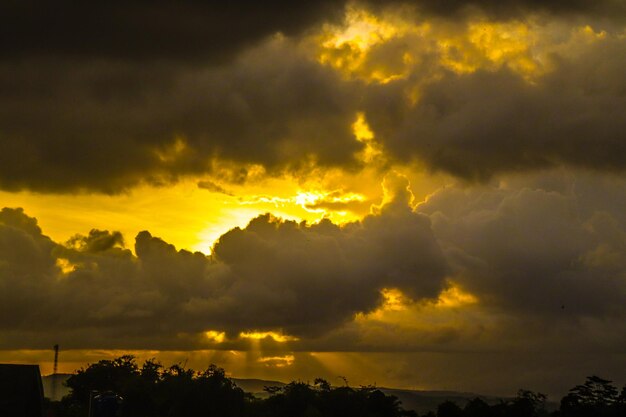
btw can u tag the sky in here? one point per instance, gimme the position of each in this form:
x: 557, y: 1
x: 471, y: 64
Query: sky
x: 415, y: 193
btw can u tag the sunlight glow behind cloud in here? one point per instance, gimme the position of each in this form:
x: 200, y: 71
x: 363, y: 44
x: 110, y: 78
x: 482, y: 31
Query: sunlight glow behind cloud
x: 275, y: 336
x: 216, y: 336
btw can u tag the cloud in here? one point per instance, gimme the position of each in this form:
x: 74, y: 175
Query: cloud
x: 533, y: 263
x: 339, y: 200
x: 103, y: 97
x: 475, y: 97
x: 534, y: 251
x: 105, y: 126
x: 213, y: 187
x: 97, y: 241
x: 272, y: 275
x: 513, y: 8
x: 196, y: 31
x: 536, y: 264
x: 480, y: 122
x: 536, y: 261
x: 288, y: 284
x: 139, y: 30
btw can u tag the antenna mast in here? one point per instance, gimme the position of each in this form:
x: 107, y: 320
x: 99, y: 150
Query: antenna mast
x: 54, y: 373
x: 56, y: 359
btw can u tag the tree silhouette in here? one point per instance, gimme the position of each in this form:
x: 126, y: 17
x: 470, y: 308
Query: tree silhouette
x: 596, y: 397
x: 528, y: 404
x: 449, y: 409
x: 156, y: 391
x: 477, y: 408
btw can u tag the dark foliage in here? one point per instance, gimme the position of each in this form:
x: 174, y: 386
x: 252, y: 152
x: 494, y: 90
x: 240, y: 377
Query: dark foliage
x: 154, y: 391
x: 299, y: 399
x: 596, y: 397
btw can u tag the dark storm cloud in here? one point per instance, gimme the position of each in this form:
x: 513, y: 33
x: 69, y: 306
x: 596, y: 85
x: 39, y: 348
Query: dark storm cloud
x: 485, y: 123
x: 535, y: 251
x: 104, y: 126
x: 150, y: 30
x: 515, y: 8
x: 271, y: 275
x: 542, y: 256
x: 202, y: 30
x: 103, y: 96
x: 347, y: 268
x: 93, y: 96
x: 213, y: 187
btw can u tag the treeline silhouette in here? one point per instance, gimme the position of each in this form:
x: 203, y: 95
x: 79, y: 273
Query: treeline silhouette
x: 155, y: 391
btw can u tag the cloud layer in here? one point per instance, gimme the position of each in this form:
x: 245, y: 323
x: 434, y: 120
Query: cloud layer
x: 140, y: 30
x: 509, y: 8
x: 270, y: 276
x: 542, y: 262
x: 108, y: 125
x: 479, y: 124
x: 470, y: 95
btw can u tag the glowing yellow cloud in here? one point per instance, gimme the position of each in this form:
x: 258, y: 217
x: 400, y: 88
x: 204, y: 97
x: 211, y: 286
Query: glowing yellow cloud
x: 277, y: 361
x: 506, y: 44
x: 308, y: 198
x: 390, y: 46
x: 65, y: 266
x: 312, y: 204
x: 361, y: 129
x: 373, y: 151
x: 361, y: 30
x: 215, y: 336
x: 277, y: 337
x: 347, y: 47
x: 455, y: 297
x: 398, y: 308
x: 587, y: 34
x: 455, y: 317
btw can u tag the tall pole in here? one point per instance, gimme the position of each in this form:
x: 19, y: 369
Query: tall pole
x: 54, y: 372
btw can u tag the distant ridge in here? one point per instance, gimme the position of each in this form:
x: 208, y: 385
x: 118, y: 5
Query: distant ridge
x: 418, y: 400
x: 256, y: 386
x: 424, y: 401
